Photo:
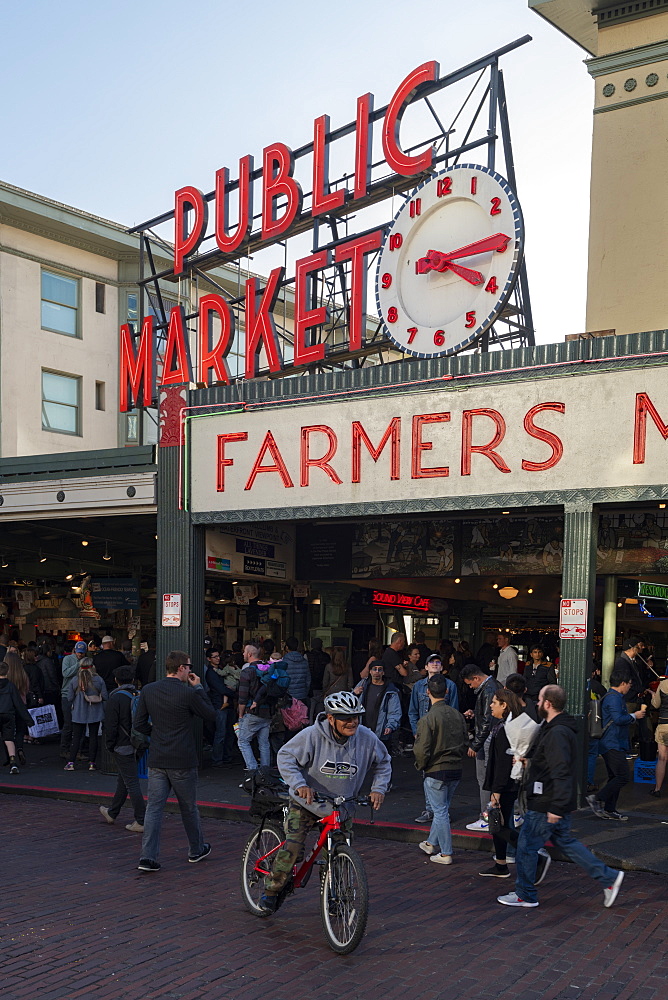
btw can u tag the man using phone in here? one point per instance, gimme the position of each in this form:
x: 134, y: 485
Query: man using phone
x: 165, y: 713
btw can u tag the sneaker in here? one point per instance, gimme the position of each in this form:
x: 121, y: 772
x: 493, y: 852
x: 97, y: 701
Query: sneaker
x: 544, y: 862
x: 69, y: 766
x: 92, y: 767
x: 427, y: 847
x: 146, y: 865
x: 496, y: 871
x: 512, y: 899
x: 204, y: 853
x: 268, y: 903
x: 631, y: 756
x: 21, y: 756
x: 480, y: 826
x: 134, y: 827
x: 105, y: 813
x: 610, y: 894
x: 617, y: 815
x: 424, y: 817
x: 596, y: 806
x: 13, y: 769
x: 518, y: 820
x: 655, y: 793
x: 509, y: 860
x: 442, y: 859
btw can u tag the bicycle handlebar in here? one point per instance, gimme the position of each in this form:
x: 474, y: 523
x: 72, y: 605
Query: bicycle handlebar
x: 339, y: 800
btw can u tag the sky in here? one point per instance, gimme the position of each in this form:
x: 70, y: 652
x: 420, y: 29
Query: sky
x: 112, y: 106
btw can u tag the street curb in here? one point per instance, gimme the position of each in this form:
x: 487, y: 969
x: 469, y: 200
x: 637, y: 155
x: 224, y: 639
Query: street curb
x: 406, y: 833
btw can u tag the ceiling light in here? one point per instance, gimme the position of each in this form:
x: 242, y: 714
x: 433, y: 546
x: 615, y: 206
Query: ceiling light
x: 42, y: 558
x: 457, y: 580
x: 76, y: 589
x: 266, y: 601
x: 46, y: 591
x: 223, y: 600
x: 316, y: 600
x: 619, y: 604
x: 234, y: 583
x: 505, y: 512
x: 530, y: 590
x: 106, y: 555
x: 70, y: 576
x: 4, y: 563
x: 84, y: 541
x: 495, y: 586
x: 508, y: 592
x: 662, y: 506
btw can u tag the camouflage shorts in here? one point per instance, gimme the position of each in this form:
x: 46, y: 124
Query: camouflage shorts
x: 298, y: 823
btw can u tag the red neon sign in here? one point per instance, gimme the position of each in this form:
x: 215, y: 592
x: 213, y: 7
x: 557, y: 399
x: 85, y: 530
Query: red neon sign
x: 408, y: 602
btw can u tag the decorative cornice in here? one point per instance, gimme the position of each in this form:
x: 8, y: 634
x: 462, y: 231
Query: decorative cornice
x: 617, y: 62
x: 59, y: 266
x: 629, y: 104
x: 571, y: 500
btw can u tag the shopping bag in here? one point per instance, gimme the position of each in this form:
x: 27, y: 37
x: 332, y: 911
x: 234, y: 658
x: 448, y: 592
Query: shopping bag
x: 45, y: 722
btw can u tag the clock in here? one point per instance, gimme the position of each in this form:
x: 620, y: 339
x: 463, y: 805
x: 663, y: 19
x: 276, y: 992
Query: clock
x: 449, y: 261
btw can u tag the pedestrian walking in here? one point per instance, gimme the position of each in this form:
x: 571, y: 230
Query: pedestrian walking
x: 118, y: 724
x: 165, y: 713
x: 70, y: 669
x: 382, y: 707
x: 538, y: 672
x: 86, y: 694
x: 420, y: 705
x: 484, y: 686
x: 439, y: 749
x: 254, y: 716
x: 11, y: 708
x: 614, y: 744
x: 660, y: 701
x: 551, y: 787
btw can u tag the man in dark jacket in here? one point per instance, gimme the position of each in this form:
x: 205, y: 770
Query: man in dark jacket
x: 551, y: 797
x: 166, y: 712
x: 107, y: 660
x: 118, y: 724
x: 484, y: 686
x: 439, y: 749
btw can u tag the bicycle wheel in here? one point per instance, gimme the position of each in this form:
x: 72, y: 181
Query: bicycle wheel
x: 344, y: 900
x: 256, y: 861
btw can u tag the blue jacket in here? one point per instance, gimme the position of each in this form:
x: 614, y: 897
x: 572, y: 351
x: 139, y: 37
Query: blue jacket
x: 419, y: 704
x: 82, y: 711
x: 389, y: 713
x: 299, y: 674
x: 615, y: 715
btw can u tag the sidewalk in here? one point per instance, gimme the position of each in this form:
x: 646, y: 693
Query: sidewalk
x: 637, y: 845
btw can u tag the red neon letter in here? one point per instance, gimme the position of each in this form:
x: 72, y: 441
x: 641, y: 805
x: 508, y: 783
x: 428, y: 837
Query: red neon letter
x: 323, y: 200
x: 213, y: 358
x: 548, y: 437
x: 418, y: 446
x: 355, y: 251
x: 277, y: 180
x: 176, y: 368
x: 136, y: 369
x: 363, y: 137
x: 184, y: 242
x: 306, y: 318
x: 260, y: 326
x: 305, y: 462
x: 482, y: 449
x: 279, y: 466
x: 223, y: 462
x: 644, y: 405
x: 360, y: 436
x: 229, y: 243
x: 397, y: 160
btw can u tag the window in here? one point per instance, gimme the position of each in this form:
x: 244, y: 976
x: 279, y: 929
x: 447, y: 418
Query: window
x: 60, y: 402
x: 99, y: 395
x: 60, y: 297
x: 99, y: 296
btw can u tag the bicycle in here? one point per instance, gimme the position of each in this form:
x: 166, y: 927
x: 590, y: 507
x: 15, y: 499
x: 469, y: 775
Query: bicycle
x: 344, y: 893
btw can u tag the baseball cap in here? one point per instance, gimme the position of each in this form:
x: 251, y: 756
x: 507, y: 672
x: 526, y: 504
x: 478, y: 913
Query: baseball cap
x: 80, y: 647
x: 107, y: 638
x: 434, y: 656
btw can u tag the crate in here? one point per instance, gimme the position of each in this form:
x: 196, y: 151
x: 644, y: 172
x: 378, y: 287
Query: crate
x: 644, y: 771
x: 142, y: 766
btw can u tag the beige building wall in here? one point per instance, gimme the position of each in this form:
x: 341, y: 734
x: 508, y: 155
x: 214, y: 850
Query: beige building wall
x: 628, y: 234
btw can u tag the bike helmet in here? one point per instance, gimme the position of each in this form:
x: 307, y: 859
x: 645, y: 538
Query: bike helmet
x: 344, y: 703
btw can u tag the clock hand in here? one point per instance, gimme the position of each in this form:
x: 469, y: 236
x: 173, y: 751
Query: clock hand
x: 498, y: 242
x: 436, y: 261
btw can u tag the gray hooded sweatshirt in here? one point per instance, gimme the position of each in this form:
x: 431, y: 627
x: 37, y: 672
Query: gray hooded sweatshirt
x: 313, y: 757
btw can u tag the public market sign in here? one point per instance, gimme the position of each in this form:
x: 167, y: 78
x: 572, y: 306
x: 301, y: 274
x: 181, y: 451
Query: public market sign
x: 447, y: 263
x: 602, y: 429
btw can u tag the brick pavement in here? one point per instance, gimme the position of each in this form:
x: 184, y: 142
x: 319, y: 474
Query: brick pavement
x: 83, y: 923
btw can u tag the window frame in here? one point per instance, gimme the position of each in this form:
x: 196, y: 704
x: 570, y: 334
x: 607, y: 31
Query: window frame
x: 77, y: 309
x: 76, y: 378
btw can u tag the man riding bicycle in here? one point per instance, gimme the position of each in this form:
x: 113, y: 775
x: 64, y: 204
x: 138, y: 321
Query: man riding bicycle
x: 333, y: 757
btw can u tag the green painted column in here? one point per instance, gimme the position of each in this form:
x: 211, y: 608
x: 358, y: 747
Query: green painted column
x: 579, y: 581
x: 180, y: 568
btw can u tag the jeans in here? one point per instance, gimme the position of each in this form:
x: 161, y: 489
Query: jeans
x: 127, y: 782
x: 618, y: 776
x: 223, y: 747
x: 534, y: 832
x: 439, y: 795
x: 183, y: 782
x: 66, y: 732
x: 78, y: 733
x: 480, y: 772
x: 250, y: 726
x: 592, y: 757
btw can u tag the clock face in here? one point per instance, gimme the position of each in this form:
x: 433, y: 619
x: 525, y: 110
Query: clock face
x: 449, y: 261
